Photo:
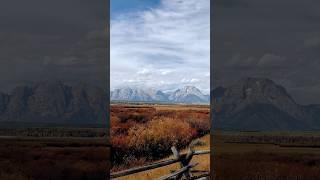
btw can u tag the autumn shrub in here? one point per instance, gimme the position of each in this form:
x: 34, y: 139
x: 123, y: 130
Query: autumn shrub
x: 117, y: 127
x: 138, y: 115
x: 201, y: 125
x: 166, y: 113
x: 144, y: 133
x: 157, y: 136
x: 198, y: 120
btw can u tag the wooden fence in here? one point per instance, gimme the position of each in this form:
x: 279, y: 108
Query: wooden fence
x: 185, y: 171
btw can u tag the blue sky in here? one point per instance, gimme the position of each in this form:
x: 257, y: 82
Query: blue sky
x: 119, y: 7
x: 160, y: 44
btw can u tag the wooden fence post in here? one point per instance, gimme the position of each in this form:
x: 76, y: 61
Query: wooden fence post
x: 184, y: 162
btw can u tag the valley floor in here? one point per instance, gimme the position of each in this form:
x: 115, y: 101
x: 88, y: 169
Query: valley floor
x: 245, y: 158
x: 54, y: 158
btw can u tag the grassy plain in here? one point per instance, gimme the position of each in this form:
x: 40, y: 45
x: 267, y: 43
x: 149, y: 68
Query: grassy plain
x: 54, y: 158
x: 266, y: 155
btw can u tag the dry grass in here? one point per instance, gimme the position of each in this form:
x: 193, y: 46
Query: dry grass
x: 159, y: 135
x: 233, y: 161
x: 53, y: 158
x: 203, y: 160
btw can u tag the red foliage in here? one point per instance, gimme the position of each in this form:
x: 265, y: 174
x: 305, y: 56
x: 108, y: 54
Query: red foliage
x: 146, y: 132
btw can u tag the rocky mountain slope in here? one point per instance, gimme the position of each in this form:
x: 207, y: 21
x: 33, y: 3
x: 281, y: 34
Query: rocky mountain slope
x: 54, y: 102
x: 261, y: 104
x: 188, y: 94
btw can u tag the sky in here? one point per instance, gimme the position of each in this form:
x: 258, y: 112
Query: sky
x: 44, y: 40
x: 160, y: 44
x: 119, y: 7
x: 279, y: 40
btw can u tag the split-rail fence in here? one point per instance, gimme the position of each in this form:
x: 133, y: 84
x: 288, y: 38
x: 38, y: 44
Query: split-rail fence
x: 185, y: 171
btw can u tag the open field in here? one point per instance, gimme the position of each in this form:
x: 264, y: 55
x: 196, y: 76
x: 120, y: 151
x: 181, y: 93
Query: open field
x: 266, y: 155
x: 144, y: 133
x: 55, y: 158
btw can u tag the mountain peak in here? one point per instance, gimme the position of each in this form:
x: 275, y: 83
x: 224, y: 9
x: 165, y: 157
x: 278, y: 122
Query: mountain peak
x: 190, y: 89
x: 258, y: 89
x: 251, y: 101
x: 189, y: 94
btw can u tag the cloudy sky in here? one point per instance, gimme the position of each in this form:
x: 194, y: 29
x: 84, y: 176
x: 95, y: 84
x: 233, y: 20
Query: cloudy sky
x: 279, y: 40
x: 162, y: 44
x: 44, y: 40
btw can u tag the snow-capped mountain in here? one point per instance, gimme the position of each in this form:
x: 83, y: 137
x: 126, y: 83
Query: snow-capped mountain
x: 261, y: 104
x: 157, y: 95
x: 188, y: 94
x: 130, y: 94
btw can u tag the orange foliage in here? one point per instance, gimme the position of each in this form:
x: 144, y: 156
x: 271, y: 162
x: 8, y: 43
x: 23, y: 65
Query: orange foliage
x: 145, y: 132
x: 160, y: 134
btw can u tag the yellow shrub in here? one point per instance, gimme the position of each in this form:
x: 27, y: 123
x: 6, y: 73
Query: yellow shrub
x: 159, y: 135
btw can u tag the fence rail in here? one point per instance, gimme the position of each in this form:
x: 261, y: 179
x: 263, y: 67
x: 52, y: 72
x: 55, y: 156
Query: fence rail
x: 184, y: 171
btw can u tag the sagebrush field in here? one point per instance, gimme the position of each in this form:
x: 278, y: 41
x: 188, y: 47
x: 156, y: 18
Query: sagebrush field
x: 265, y: 155
x: 56, y: 153
x: 143, y: 133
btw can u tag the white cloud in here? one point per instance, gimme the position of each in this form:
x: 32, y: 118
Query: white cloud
x: 271, y: 60
x: 312, y: 42
x: 144, y: 71
x: 166, y: 71
x: 194, y: 80
x: 159, y: 47
x: 184, y: 80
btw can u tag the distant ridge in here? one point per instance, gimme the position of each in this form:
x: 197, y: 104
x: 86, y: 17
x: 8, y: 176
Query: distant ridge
x: 54, y: 102
x: 261, y: 104
x: 187, y: 94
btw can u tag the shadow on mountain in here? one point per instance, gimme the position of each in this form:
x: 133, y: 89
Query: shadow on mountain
x: 261, y: 104
x: 54, y: 103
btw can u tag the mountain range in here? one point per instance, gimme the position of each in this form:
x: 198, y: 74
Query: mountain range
x: 187, y: 94
x: 250, y: 104
x: 261, y: 104
x: 54, y: 102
